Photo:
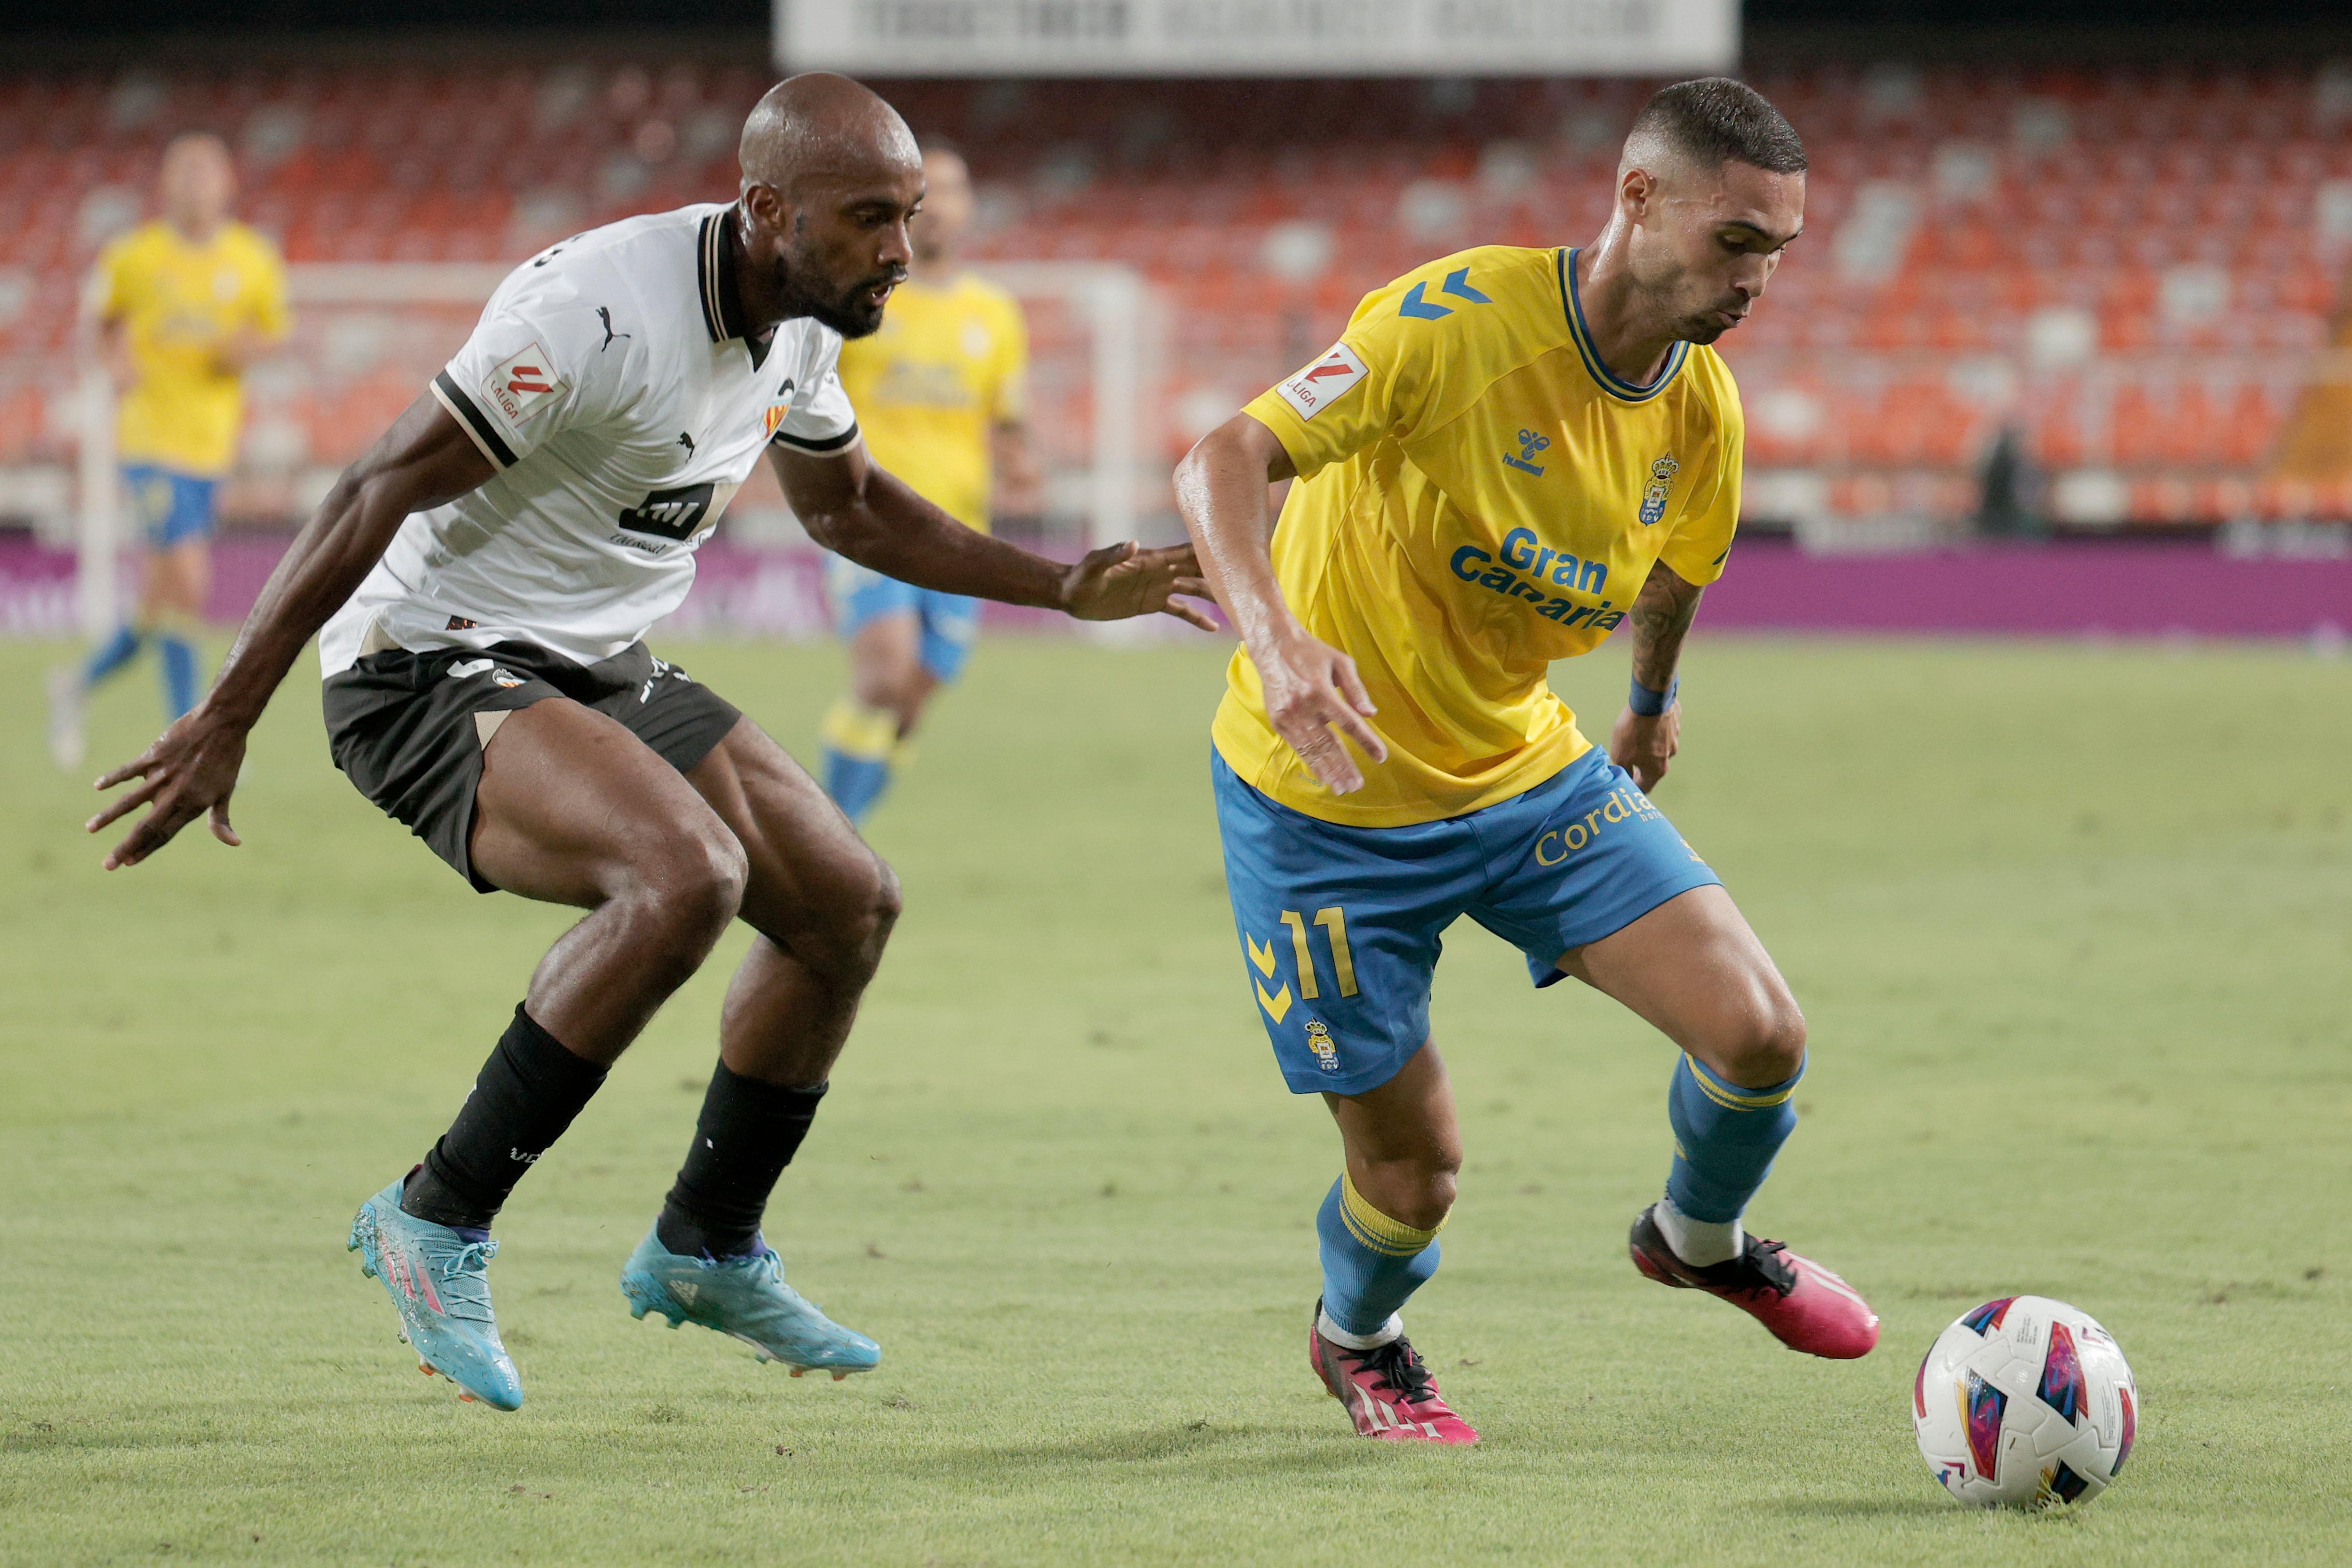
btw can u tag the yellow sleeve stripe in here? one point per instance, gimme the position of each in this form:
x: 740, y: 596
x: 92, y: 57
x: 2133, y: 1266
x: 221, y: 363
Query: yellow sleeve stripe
x: 1377, y: 1231
x: 1732, y: 1098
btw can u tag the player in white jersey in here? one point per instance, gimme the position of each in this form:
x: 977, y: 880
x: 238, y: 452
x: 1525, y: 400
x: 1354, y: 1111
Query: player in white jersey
x: 481, y: 583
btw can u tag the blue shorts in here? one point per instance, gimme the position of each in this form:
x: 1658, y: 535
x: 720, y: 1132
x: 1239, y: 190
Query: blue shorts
x: 170, y: 507
x: 1340, y: 926
x: 950, y: 621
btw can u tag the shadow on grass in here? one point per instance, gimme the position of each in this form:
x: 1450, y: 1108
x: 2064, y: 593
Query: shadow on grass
x: 1868, y: 1508
x: 1189, y: 1441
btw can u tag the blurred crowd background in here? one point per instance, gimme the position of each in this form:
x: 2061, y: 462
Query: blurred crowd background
x: 2071, y: 269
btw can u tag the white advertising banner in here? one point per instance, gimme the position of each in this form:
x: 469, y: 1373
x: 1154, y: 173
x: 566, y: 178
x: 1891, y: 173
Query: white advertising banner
x: 1258, y: 37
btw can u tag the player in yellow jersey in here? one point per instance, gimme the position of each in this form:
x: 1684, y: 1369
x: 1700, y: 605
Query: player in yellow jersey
x: 1507, y: 455
x: 180, y: 307
x: 942, y: 392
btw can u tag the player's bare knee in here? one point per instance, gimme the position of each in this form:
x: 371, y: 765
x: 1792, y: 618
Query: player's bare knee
x: 844, y: 940
x: 1766, y: 1045
x: 692, y: 885
x: 876, y: 913
x: 1429, y: 1195
x: 1418, y: 1191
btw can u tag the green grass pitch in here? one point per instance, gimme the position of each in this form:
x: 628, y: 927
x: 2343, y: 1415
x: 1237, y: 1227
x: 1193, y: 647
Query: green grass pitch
x: 2072, y: 925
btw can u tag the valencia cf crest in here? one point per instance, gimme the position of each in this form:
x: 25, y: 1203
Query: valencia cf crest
x: 777, y: 410
x: 1662, y: 483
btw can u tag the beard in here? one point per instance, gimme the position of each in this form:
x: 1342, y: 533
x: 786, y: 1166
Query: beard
x: 848, y: 311
x: 1704, y: 326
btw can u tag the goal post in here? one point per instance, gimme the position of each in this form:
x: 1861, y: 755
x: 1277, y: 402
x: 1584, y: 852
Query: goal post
x: 368, y: 337
x: 1125, y: 322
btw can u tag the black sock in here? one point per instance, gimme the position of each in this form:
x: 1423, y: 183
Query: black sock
x: 745, y: 1137
x: 526, y: 1095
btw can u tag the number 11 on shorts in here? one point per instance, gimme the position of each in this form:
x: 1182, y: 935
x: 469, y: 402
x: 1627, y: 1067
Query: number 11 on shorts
x: 1333, y: 922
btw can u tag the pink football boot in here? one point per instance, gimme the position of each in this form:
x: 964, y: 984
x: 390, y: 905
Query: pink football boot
x: 1388, y: 1391
x: 1806, y: 1306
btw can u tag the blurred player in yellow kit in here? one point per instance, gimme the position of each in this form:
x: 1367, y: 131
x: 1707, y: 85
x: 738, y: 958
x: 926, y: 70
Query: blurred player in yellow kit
x: 1508, y: 454
x: 180, y: 307
x: 942, y: 394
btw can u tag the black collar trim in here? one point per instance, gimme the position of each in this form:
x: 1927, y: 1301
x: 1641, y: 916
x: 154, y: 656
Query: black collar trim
x: 722, y: 303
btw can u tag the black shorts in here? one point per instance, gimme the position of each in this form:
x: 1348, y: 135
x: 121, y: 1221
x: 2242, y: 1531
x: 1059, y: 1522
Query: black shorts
x: 408, y: 727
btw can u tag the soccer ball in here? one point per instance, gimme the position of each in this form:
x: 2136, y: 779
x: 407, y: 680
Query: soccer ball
x: 2025, y: 1403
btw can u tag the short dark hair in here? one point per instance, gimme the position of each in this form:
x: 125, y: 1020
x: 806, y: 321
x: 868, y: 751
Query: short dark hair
x: 1717, y: 120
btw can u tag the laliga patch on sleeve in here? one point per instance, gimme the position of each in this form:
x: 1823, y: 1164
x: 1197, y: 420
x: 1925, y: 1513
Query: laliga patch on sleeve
x: 1313, y: 389
x: 523, y: 385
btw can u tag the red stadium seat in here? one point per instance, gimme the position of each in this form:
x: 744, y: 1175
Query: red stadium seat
x: 1184, y: 181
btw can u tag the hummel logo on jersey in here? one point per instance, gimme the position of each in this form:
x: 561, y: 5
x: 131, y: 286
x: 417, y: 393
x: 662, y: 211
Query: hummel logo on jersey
x: 1275, y: 1003
x: 520, y: 386
x: 1313, y: 389
x: 604, y: 314
x: 1529, y: 444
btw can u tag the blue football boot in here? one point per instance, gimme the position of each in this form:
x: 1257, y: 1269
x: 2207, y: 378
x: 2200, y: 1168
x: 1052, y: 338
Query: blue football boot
x: 438, y: 1280
x: 744, y: 1299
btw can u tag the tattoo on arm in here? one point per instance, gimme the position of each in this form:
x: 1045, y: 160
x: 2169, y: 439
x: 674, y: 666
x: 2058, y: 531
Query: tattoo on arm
x: 1662, y: 616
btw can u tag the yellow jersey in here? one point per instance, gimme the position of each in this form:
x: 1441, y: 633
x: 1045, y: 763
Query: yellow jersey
x: 1478, y: 495
x: 177, y: 300
x: 949, y: 363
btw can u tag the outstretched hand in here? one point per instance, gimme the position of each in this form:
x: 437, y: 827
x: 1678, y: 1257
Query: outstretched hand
x: 1313, y: 696
x: 189, y: 772
x: 1120, y: 580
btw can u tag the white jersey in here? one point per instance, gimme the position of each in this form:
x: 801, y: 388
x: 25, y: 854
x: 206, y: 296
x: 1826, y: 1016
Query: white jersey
x: 611, y: 387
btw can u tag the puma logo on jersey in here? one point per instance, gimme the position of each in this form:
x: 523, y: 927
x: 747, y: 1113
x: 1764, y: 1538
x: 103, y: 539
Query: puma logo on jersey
x: 523, y: 385
x: 604, y: 314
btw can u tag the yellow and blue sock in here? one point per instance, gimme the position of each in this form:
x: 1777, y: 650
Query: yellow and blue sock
x: 1724, y: 1139
x: 860, y: 744
x: 1372, y: 1263
x: 110, y: 655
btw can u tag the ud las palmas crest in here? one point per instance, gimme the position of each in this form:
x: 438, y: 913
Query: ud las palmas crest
x: 1662, y: 480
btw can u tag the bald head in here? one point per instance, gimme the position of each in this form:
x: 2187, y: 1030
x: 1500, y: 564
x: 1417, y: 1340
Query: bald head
x: 831, y: 174
x: 820, y: 124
